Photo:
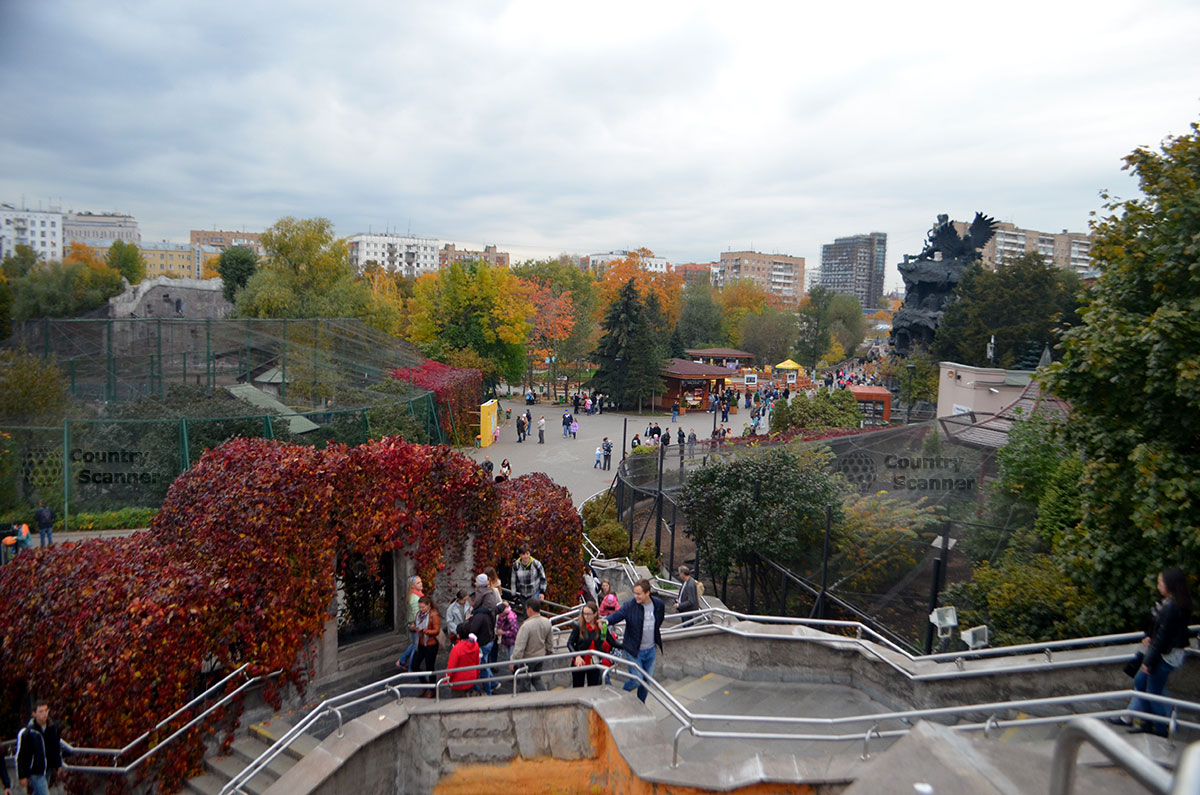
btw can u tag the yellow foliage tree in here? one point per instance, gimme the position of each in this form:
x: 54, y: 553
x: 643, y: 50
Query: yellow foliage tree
x: 741, y: 297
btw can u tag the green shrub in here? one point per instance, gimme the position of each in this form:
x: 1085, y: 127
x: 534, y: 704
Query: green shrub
x: 123, y: 519
x: 599, y: 509
x: 610, y: 538
x: 644, y: 555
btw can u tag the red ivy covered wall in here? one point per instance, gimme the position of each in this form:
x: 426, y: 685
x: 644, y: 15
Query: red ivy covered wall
x: 458, y: 393
x: 236, y: 567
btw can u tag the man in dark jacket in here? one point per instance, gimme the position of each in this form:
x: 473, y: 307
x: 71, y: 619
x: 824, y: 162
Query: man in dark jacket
x: 643, y: 619
x: 689, y: 598
x: 39, y: 751
x: 482, y: 624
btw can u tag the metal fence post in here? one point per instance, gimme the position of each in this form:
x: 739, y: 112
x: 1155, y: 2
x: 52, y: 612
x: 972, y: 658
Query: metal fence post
x: 185, y: 458
x: 66, y: 454
x: 283, y: 368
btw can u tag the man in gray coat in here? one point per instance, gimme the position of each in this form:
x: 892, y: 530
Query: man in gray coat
x: 535, y: 638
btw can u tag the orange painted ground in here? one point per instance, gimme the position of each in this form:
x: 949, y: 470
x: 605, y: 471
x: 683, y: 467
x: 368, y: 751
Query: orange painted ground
x: 606, y: 773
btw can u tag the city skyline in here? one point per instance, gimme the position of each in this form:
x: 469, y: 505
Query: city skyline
x: 542, y: 129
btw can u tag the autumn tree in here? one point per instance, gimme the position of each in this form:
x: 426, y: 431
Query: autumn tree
x: 1131, y: 372
x: 561, y: 277
x: 65, y: 289
x: 126, y: 259
x: 235, y: 266
x: 667, y: 286
x: 740, y: 298
x: 1024, y: 304
x: 476, y: 307
x: 551, y: 324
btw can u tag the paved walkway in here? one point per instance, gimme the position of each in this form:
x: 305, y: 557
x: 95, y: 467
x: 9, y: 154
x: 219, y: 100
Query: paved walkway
x: 569, y: 462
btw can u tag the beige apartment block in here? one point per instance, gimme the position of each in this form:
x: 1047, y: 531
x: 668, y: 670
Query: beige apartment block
x: 779, y: 274
x: 1068, y: 250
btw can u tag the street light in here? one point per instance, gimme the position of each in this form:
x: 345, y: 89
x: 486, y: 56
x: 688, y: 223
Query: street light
x: 908, y: 403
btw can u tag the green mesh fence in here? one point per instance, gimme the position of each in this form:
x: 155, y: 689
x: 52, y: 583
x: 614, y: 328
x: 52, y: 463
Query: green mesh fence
x: 98, y: 465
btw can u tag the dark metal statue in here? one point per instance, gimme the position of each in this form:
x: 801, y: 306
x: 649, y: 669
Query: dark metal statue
x: 931, y: 276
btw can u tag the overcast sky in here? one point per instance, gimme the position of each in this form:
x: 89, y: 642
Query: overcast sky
x: 686, y: 127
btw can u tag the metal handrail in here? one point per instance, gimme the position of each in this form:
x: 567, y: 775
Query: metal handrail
x: 1187, y: 773
x: 1108, y: 742
x: 387, y: 685
x: 959, y: 670
x: 116, y: 753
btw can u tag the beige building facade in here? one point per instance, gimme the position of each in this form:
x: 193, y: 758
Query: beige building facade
x: 780, y: 274
x: 1067, y: 250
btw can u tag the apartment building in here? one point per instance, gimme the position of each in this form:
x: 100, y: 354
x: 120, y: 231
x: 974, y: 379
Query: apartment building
x: 221, y: 239
x: 41, y: 230
x: 1071, y: 250
x: 449, y: 253
x: 694, y: 272
x: 82, y: 227
x: 855, y: 265
x: 779, y: 274
x: 409, y: 255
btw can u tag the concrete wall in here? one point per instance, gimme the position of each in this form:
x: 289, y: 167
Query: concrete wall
x: 980, y: 389
x: 586, y: 741
x: 799, y: 654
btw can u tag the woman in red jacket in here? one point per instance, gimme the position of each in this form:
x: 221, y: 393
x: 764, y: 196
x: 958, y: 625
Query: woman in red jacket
x: 465, y: 652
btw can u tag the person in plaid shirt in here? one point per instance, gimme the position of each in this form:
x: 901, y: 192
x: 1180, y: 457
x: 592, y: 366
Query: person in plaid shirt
x: 528, y: 576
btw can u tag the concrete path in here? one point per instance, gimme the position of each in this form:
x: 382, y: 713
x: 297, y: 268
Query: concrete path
x: 569, y: 462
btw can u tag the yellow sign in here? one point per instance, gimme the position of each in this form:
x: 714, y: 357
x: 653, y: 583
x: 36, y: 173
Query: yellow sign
x: 489, y: 429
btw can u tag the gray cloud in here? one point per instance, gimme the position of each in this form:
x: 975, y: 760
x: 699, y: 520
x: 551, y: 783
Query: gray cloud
x: 685, y: 127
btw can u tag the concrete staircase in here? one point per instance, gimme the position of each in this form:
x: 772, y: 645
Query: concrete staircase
x: 220, y: 770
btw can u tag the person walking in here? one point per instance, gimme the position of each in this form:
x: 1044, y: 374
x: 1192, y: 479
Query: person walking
x: 566, y: 423
x: 44, y: 518
x: 599, y: 456
x: 574, y: 428
x: 585, y: 636
x: 528, y: 576
x: 507, y: 627
x: 608, y: 600
x: 607, y: 447
x: 39, y: 751
x: 1164, y: 649
x: 506, y: 469
x: 463, y: 653
x: 414, y: 597
x: 535, y: 638
x: 482, y: 624
x: 691, y: 440
x: 643, y: 619
x: 542, y: 429
x: 689, y: 598
x: 456, y: 615
x: 520, y: 428
x: 427, y: 626
x: 675, y: 411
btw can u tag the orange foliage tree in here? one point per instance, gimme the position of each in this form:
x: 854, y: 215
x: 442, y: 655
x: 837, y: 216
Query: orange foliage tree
x: 741, y: 297
x: 667, y: 286
x: 552, y: 323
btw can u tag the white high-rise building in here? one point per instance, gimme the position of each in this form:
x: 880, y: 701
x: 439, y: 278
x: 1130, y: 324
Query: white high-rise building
x: 409, y: 255
x: 39, y: 229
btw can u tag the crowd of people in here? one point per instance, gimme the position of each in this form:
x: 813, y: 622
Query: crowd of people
x: 489, y: 637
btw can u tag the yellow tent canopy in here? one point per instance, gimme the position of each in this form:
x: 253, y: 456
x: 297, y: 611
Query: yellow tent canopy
x: 788, y: 365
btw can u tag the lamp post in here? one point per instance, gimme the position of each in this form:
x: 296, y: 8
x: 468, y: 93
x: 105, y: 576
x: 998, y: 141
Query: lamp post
x: 908, y: 403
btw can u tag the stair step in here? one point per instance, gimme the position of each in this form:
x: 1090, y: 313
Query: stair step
x: 249, y: 748
x: 272, y: 730
x: 207, y: 784
x: 227, y: 767
x: 699, y: 688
